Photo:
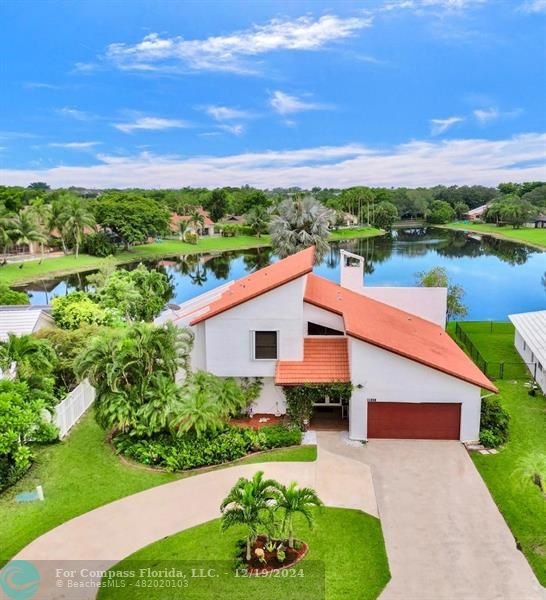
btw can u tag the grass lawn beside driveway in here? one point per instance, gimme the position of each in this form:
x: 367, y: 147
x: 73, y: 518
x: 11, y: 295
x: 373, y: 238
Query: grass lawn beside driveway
x: 15, y: 274
x: 526, y: 235
x: 520, y: 501
x: 83, y: 473
x: 346, y: 559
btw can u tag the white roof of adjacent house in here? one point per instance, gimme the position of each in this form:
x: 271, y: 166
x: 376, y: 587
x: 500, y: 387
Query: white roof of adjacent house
x: 478, y: 210
x: 532, y: 328
x: 21, y: 320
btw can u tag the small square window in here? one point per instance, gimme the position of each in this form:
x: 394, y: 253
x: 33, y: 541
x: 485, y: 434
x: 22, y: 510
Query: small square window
x: 265, y: 345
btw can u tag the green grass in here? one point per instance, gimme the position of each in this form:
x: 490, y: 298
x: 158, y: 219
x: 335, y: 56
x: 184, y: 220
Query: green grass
x: 299, y: 453
x: 80, y: 474
x: 525, y: 235
x: 521, y: 503
x: 346, y: 559
x: 31, y: 271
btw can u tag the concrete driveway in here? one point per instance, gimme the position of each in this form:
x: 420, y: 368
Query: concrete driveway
x: 445, y: 537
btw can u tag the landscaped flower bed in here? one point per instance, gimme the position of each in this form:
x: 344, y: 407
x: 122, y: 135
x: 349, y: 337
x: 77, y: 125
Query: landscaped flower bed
x: 177, y: 453
x: 269, y: 556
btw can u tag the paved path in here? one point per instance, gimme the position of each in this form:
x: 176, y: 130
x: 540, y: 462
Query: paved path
x: 110, y: 533
x: 445, y: 538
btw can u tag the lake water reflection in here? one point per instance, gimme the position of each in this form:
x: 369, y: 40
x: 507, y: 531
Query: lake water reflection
x: 499, y: 277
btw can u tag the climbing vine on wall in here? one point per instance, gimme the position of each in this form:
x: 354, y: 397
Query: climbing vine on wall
x: 300, y: 399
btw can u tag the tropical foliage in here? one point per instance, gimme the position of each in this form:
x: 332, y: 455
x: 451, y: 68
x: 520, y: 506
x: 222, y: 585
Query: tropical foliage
x: 9, y: 296
x: 133, y: 370
x: 301, y: 398
x: 79, y: 308
x: 385, y: 215
x: 21, y: 423
x: 265, y: 505
x: 301, y: 223
x: 494, y: 423
x: 258, y: 219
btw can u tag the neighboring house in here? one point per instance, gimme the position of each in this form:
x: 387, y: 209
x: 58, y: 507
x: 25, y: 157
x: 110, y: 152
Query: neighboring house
x: 291, y: 327
x: 476, y: 213
x: 530, y: 342
x: 540, y: 221
x: 233, y: 220
x: 22, y: 320
x: 206, y: 229
x: 348, y: 220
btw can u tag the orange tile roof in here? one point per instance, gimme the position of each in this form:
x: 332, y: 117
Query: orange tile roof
x: 395, y: 330
x: 260, y: 282
x: 176, y: 219
x: 325, y: 360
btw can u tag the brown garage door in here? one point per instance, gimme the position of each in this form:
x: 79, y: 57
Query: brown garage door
x: 404, y: 420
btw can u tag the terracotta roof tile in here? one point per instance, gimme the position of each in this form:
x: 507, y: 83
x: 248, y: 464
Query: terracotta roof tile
x: 325, y: 360
x: 260, y: 282
x: 395, y: 330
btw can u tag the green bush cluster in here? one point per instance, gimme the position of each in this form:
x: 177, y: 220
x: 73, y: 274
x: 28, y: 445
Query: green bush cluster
x: 100, y: 244
x: 9, y: 296
x: 300, y: 399
x: 190, y: 451
x: 494, y: 422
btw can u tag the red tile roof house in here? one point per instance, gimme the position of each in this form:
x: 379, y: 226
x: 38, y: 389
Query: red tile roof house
x: 290, y: 326
x: 206, y: 230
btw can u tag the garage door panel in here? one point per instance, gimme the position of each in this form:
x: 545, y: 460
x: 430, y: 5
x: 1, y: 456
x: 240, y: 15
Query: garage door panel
x: 406, y: 420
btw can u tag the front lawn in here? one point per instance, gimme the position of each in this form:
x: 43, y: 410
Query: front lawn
x: 20, y: 273
x: 80, y: 474
x: 346, y: 559
x: 525, y: 235
x: 519, y: 500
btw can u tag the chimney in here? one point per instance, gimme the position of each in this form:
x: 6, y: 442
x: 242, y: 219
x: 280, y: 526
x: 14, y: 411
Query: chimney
x: 352, y: 271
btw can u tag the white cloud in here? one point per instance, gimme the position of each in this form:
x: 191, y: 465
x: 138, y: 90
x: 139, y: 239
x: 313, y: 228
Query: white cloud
x: 35, y: 85
x: 225, y: 113
x: 232, y: 52
x: 151, y: 123
x: 74, y: 145
x: 534, y: 6
x: 419, y: 5
x: 486, y: 115
x: 74, y: 113
x: 413, y: 164
x: 236, y: 129
x: 438, y: 126
x: 285, y: 104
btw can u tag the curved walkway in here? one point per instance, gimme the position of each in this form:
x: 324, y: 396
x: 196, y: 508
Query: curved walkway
x: 108, y: 534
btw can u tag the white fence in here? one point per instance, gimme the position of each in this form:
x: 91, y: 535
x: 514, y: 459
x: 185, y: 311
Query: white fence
x: 68, y: 412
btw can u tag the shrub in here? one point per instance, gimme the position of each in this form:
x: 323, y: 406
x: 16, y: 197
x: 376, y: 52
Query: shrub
x: 77, y: 308
x: 191, y: 237
x: 99, y: 244
x: 277, y: 436
x: 190, y: 451
x: 230, y: 230
x: 494, y: 422
x: 9, y: 296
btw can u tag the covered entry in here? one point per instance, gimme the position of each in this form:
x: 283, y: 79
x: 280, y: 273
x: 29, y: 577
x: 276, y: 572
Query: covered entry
x: 407, y: 420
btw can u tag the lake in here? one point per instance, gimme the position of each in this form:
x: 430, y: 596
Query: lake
x: 499, y: 277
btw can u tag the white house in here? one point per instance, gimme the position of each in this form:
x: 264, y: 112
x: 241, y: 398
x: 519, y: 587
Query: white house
x: 23, y: 320
x: 530, y: 342
x: 291, y: 327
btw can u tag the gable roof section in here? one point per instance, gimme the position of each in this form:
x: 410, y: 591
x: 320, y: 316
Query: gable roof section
x: 394, y: 330
x: 325, y: 360
x: 260, y: 282
x: 532, y: 328
x: 21, y: 320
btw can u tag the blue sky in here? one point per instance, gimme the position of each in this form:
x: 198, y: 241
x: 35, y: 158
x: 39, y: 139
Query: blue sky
x: 170, y: 93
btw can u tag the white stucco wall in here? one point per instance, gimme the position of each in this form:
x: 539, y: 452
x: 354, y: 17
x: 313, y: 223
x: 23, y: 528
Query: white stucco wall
x: 388, y: 377
x: 271, y: 400
x: 228, y: 336
x: 320, y: 316
x: 530, y: 359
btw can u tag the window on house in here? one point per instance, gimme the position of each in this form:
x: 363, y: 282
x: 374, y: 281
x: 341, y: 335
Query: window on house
x: 316, y: 329
x: 265, y: 344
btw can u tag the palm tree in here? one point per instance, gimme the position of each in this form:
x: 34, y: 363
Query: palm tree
x: 258, y: 218
x: 247, y: 504
x: 532, y: 467
x: 32, y: 357
x: 24, y: 229
x: 182, y: 227
x: 41, y: 212
x: 292, y: 500
x: 75, y: 217
x: 197, y: 220
x: 55, y: 219
x: 301, y: 223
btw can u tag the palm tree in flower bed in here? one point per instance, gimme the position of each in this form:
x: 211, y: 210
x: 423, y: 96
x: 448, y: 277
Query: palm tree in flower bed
x: 247, y: 504
x: 267, y: 509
